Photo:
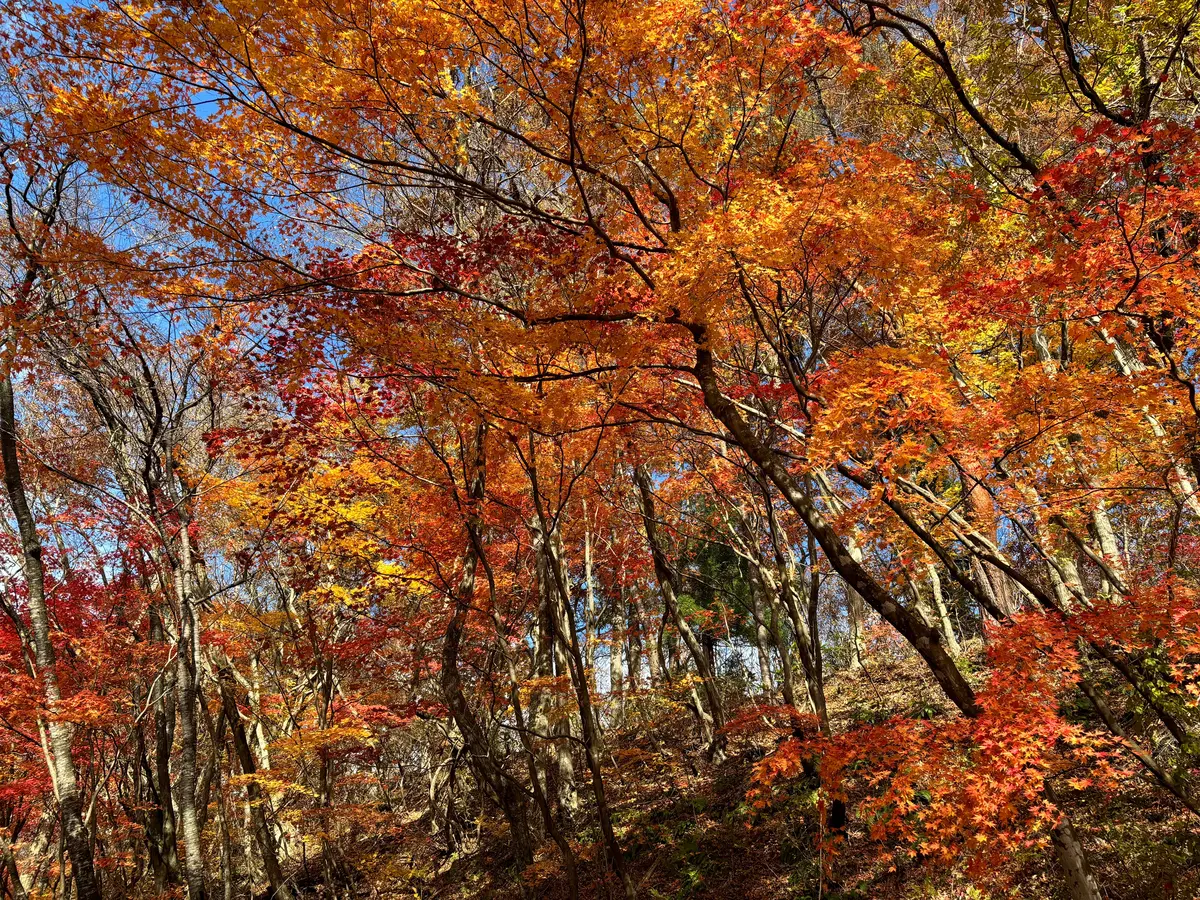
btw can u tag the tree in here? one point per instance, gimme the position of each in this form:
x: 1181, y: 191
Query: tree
x: 889, y: 304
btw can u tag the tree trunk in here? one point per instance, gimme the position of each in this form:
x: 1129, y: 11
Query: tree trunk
x: 641, y: 631
x: 925, y: 640
x: 591, y: 647
x: 762, y: 636
x: 981, y: 513
x: 189, y: 819
x: 1106, y: 538
x: 507, y: 794
x: 855, y: 613
x: 1081, y: 884
x: 187, y: 691
x: 625, y: 617
x: 567, y: 634
x: 943, y: 614
x: 799, y: 601
x: 783, y: 646
x: 668, y: 583
x: 553, y: 663
x: 75, y: 834
x: 482, y: 760
x: 10, y: 878
x: 263, y: 834
x: 164, y: 739
x: 617, y: 635
x: 856, y: 610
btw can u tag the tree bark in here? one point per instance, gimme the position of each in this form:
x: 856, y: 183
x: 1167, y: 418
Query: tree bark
x: 187, y: 692
x: 762, y: 637
x: 800, y: 602
x: 75, y: 834
x: 925, y: 640
x: 943, y: 614
x: 482, y: 760
x: 566, y: 633
x: 554, y: 664
x: 641, y: 631
x: 1081, y: 884
x: 591, y: 647
x: 263, y: 834
x: 164, y: 739
x: 668, y: 583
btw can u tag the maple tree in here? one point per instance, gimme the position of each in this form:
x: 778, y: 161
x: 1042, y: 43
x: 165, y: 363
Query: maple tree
x: 435, y: 433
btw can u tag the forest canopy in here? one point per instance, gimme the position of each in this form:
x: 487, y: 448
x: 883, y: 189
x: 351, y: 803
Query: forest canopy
x: 599, y: 448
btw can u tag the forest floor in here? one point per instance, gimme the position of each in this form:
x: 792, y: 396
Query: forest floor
x: 690, y: 833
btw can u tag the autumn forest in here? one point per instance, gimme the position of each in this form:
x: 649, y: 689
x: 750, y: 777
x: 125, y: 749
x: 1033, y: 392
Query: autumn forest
x: 611, y: 449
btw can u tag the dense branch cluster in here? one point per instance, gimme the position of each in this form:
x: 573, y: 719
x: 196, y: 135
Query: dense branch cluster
x: 431, y: 430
